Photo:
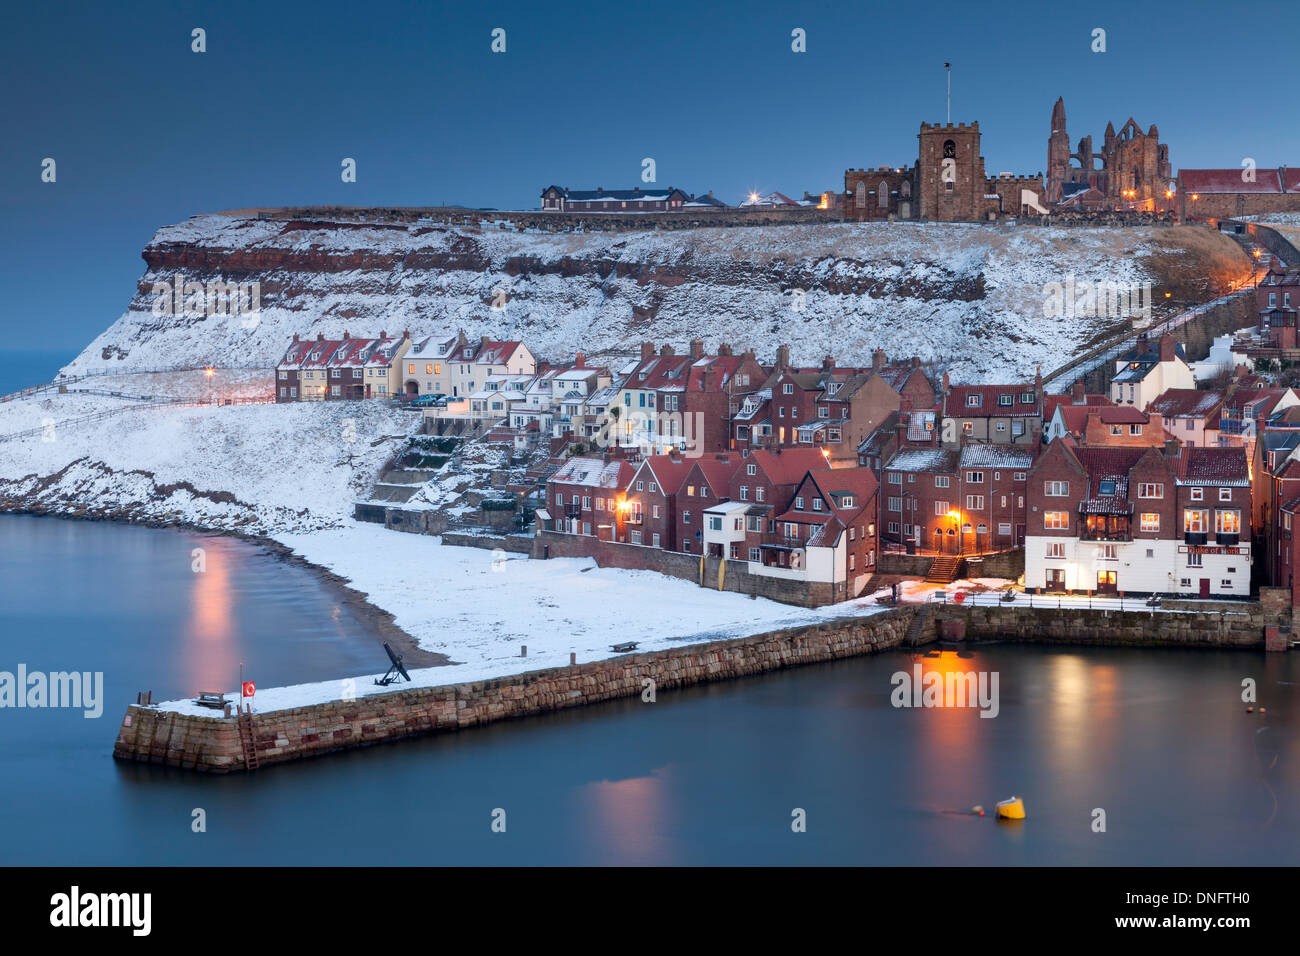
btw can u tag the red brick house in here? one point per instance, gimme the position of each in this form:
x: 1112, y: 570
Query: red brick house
x: 1139, y: 520
x: 685, y: 402
x: 1190, y: 415
x: 585, y: 494
x: 651, y: 495
x: 1278, y: 298
x: 766, y: 478
x: 1106, y: 425
x: 914, y: 388
x: 706, y: 483
x: 965, y: 500
x: 828, y: 530
x: 999, y: 414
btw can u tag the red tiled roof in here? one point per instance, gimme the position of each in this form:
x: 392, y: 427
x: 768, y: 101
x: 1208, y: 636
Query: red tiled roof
x: 1120, y: 415
x: 859, y: 482
x: 958, y: 395
x: 1212, y: 181
x: 669, y: 471
x: 717, y: 469
x: 320, y: 353
x: 1052, y: 402
x: 660, y: 371
x: 1213, y: 466
x: 788, y: 467
x: 486, y: 353
x: 1075, y: 417
x: 1187, y: 403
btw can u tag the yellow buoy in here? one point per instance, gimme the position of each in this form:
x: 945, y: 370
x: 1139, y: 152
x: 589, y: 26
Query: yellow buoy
x: 1011, y: 809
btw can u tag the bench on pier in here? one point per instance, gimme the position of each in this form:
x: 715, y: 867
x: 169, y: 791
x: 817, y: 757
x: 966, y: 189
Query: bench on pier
x: 624, y: 647
x: 211, y: 698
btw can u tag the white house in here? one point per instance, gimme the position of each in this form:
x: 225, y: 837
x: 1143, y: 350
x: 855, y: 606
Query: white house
x: 1146, y: 371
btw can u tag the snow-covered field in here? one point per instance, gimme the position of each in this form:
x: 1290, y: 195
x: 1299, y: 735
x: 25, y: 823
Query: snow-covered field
x: 255, y: 468
x: 970, y: 297
x: 481, y: 607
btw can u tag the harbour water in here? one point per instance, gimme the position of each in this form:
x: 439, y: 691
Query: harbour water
x: 1157, y: 739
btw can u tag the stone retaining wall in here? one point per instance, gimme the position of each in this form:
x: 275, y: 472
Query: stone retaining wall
x: 640, y: 557
x: 514, y: 543
x: 1241, y: 628
x: 211, y: 744
x: 1004, y: 564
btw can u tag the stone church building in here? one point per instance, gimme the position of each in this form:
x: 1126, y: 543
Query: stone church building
x: 947, y: 183
x: 1132, y: 169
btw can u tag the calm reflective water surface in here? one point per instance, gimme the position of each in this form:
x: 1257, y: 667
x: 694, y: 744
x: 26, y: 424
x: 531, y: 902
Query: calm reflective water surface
x: 707, y: 775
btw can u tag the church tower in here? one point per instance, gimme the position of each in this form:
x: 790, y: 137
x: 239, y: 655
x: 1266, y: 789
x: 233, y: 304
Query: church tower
x: 950, y: 172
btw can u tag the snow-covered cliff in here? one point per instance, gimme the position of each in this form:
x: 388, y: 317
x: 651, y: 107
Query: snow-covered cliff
x: 967, y: 296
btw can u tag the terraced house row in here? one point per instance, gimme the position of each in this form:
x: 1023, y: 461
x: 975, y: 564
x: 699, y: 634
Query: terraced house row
x: 783, y: 513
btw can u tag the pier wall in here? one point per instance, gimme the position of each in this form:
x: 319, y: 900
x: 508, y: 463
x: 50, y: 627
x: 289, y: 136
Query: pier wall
x: 212, y: 744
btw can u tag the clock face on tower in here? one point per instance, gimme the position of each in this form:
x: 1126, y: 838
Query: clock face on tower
x: 949, y: 149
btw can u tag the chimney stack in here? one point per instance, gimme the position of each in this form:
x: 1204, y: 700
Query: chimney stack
x: 724, y: 348
x: 666, y: 350
x: 295, y: 336
x: 578, y: 360
x: 697, y: 348
x: 320, y: 336
x: 783, y: 356
x: 345, y: 335
x: 647, y: 351
x: 877, y: 360
x: 916, y: 361
x: 1166, y: 348
x: 482, y: 342
x: 828, y: 363
x: 406, y: 335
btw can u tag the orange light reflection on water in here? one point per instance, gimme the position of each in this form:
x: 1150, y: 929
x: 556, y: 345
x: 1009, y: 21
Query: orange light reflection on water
x: 209, y: 644
x: 627, y: 814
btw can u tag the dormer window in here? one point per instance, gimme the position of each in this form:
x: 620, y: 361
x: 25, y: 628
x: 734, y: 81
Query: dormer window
x: 1106, y: 488
x: 972, y: 401
x: 1005, y: 400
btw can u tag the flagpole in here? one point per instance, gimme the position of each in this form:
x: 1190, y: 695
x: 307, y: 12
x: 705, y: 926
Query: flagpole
x: 948, y: 68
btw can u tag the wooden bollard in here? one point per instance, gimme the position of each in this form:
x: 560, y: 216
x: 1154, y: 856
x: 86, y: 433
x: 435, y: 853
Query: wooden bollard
x: 573, y: 658
x: 523, y: 650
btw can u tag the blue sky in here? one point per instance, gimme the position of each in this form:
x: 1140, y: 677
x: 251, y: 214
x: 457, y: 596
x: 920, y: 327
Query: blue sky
x: 146, y: 132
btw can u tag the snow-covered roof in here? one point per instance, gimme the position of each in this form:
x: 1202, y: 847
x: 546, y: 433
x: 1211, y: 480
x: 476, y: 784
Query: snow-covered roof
x: 1015, y: 457
x: 923, y: 460
x: 593, y: 473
